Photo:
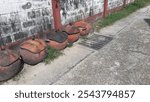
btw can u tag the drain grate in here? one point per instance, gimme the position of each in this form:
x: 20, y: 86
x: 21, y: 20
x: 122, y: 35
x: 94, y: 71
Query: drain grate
x: 96, y: 41
x: 147, y: 21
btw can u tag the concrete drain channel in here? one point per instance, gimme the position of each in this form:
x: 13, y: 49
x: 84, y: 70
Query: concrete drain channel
x: 96, y: 42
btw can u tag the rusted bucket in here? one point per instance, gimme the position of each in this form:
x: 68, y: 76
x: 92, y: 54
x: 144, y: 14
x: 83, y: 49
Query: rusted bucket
x: 33, y: 51
x: 84, y: 27
x: 10, y: 64
x: 73, y: 33
x: 57, y: 40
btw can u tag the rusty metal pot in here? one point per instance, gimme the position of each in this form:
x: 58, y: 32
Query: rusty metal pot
x: 57, y: 40
x: 33, y: 51
x: 10, y: 64
x: 73, y: 33
x: 84, y: 27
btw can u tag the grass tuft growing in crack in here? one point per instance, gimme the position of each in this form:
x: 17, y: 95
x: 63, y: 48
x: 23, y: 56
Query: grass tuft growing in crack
x: 70, y: 45
x: 51, y: 55
x: 111, y: 18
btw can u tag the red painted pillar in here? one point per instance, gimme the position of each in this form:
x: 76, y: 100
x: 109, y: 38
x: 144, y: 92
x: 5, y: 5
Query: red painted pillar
x: 105, y: 8
x: 124, y: 3
x: 56, y: 14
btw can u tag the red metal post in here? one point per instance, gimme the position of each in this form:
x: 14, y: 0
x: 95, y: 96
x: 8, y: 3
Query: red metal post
x: 124, y: 3
x: 56, y: 14
x: 105, y: 8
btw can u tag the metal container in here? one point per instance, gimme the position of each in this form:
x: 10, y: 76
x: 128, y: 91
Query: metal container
x: 10, y: 64
x: 84, y: 27
x: 33, y: 51
x: 73, y: 33
x: 57, y: 40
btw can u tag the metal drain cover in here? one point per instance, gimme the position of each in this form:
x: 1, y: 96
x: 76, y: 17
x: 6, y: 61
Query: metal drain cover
x: 96, y: 41
x: 147, y: 21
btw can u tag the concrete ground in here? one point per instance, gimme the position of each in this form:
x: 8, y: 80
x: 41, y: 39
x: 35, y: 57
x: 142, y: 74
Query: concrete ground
x: 123, y: 61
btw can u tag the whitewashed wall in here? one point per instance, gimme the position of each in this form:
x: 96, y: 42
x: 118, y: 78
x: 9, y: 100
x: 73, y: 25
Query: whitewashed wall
x: 129, y: 1
x: 114, y: 3
x: 73, y: 10
x: 117, y: 3
x: 22, y: 18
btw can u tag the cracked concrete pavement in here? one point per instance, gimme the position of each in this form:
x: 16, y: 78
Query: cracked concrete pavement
x: 124, y: 61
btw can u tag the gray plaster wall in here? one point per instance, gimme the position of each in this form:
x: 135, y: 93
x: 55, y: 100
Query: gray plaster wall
x: 23, y: 18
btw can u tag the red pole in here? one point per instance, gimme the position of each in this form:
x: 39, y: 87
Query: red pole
x: 124, y: 3
x: 105, y: 8
x: 56, y: 14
